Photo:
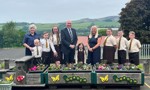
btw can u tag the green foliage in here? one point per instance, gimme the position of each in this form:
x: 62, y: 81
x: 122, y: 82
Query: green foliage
x: 10, y: 36
x: 140, y: 66
x: 136, y: 17
x: 102, y: 32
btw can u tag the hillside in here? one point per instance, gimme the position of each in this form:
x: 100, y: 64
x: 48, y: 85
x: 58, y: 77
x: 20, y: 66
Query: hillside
x: 81, y: 25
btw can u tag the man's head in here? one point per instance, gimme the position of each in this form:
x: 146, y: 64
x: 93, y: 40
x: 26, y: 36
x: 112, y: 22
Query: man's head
x: 131, y: 34
x: 120, y: 33
x: 68, y: 24
x: 109, y: 31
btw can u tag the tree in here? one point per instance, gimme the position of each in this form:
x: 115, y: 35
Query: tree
x: 1, y: 39
x: 102, y: 32
x: 10, y: 36
x: 136, y: 17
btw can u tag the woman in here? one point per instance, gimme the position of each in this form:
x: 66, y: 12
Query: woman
x: 93, y: 46
x: 29, y: 38
x: 55, y: 38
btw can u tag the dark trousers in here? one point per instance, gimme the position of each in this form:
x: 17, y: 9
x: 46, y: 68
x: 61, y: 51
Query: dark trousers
x: 134, y: 58
x: 121, y: 56
x: 46, y: 58
x: 109, y: 54
x: 37, y: 61
x: 69, y: 57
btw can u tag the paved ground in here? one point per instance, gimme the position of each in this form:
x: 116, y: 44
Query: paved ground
x: 12, y: 53
x: 16, y: 53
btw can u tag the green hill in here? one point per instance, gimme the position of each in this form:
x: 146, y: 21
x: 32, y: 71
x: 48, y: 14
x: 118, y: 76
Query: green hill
x: 81, y: 25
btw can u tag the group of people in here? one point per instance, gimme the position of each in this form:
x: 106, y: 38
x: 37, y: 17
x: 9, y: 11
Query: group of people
x: 122, y: 45
x: 60, y: 46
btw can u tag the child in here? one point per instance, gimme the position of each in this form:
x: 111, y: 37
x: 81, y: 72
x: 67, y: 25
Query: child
x: 134, y: 46
x: 46, y: 44
x: 81, y: 53
x: 55, y: 38
x: 37, y: 52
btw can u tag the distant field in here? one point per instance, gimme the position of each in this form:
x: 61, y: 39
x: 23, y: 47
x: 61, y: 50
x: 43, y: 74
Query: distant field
x: 81, y: 24
x: 48, y: 26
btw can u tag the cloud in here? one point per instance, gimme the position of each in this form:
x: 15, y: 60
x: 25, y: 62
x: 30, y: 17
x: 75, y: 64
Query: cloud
x: 57, y: 10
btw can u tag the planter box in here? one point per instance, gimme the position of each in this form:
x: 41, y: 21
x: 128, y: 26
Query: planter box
x: 5, y: 86
x: 120, y: 77
x: 68, y: 77
x: 34, y: 78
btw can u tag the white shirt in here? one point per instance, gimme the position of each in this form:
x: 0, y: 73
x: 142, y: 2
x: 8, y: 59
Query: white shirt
x: 135, y: 45
x: 35, y: 53
x: 50, y: 45
x: 54, y: 39
x: 43, y: 44
x: 111, y: 41
x: 123, y: 43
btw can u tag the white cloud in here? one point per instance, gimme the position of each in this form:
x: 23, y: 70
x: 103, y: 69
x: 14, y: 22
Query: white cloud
x: 57, y: 10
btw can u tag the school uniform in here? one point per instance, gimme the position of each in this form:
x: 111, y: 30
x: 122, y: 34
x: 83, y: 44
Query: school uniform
x: 134, y: 46
x: 57, y: 46
x: 81, y: 56
x: 122, y: 43
x: 37, y: 53
x: 109, y: 49
x: 47, y: 45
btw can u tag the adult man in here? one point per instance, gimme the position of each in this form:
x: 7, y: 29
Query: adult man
x: 134, y: 46
x: 109, y: 47
x: 122, y: 44
x: 29, y: 38
x: 68, y: 41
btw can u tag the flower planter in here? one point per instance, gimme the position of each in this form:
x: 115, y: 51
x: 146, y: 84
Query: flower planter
x: 69, y: 77
x: 6, y: 86
x: 36, y: 77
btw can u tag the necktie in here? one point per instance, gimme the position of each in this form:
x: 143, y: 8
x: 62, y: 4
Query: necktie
x: 130, y: 44
x: 80, y: 50
x: 71, y: 36
x: 37, y: 50
x: 46, y: 44
x: 105, y: 41
x: 119, y: 43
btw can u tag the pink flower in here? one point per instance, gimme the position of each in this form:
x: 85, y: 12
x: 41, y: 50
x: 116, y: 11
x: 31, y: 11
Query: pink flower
x: 100, y: 68
x: 34, y: 68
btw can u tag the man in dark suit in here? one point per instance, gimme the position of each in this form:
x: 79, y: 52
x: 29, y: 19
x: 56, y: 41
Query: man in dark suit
x: 68, y: 42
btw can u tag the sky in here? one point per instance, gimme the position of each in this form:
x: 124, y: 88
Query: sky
x: 54, y: 11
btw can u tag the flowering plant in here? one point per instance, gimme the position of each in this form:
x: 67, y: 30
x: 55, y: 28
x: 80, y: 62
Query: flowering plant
x: 37, y: 67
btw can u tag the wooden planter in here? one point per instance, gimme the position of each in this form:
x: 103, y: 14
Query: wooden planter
x: 68, y: 77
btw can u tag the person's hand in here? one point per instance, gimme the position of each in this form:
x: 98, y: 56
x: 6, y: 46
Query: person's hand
x: 55, y: 54
x: 72, y: 46
x: 31, y: 49
x: 90, y: 49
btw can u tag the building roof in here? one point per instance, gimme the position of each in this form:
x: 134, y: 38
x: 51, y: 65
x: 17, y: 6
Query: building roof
x: 84, y: 39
